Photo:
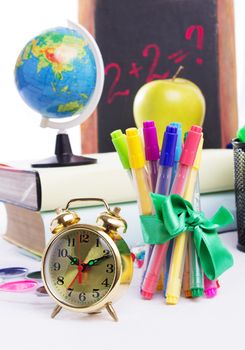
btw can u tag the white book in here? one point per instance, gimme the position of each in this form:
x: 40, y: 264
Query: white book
x: 48, y: 188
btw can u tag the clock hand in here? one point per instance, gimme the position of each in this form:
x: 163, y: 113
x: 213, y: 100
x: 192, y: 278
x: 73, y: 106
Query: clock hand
x: 72, y: 282
x: 93, y: 262
x: 78, y: 276
x: 74, y: 260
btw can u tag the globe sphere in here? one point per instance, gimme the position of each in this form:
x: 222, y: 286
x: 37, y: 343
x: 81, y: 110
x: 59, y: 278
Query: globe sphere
x: 55, y: 73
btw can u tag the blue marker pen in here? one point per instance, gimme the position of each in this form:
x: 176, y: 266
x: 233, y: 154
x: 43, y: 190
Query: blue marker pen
x: 166, y: 163
x: 177, y: 155
x: 178, y: 149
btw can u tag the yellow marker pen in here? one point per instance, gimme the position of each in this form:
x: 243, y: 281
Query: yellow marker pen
x: 137, y: 164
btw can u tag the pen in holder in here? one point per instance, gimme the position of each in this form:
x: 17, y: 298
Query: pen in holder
x: 239, y: 182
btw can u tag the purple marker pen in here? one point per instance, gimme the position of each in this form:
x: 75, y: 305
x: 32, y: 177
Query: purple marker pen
x: 152, y: 155
x: 151, y: 151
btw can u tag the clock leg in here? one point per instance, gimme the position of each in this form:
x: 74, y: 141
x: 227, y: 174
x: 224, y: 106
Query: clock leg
x: 56, y: 311
x: 111, y: 311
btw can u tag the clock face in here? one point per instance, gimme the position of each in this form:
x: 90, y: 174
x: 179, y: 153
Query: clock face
x: 80, y: 267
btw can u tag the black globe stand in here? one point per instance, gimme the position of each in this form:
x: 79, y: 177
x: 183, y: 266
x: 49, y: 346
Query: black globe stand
x: 63, y: 155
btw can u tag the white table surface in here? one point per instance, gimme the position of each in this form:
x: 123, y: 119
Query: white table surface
x: 203, y: 323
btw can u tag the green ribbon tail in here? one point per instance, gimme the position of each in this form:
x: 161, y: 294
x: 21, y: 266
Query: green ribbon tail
x: 214, y: 257
x: 222, y: 217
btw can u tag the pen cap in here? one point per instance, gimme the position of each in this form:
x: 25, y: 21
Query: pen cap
x: 178, y: 149
x: 168, y: 146
x: 189, y: 151
x: 120, y: 143
x: 151, y: 141
x: 135, y: 148
x: 197, y: 161
x: 241, y: 134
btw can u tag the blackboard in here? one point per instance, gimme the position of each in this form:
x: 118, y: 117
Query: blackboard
x: 141, y: 41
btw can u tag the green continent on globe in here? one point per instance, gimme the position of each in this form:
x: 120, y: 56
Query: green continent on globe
x: 55, y: 50
x: 70, y: 106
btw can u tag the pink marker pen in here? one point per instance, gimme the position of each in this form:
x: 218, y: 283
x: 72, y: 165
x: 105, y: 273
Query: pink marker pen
x: 180, y: 187
x: 187, y: 158
x: 210, y: 287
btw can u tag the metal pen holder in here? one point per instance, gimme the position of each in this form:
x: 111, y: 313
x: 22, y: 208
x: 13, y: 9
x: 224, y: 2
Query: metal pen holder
x: 239, y: 184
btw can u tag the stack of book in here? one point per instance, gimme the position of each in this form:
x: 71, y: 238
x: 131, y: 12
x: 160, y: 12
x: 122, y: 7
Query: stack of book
x: 30, y: 196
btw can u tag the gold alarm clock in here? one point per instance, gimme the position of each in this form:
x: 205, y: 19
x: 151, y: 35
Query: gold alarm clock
x: 86, y: 267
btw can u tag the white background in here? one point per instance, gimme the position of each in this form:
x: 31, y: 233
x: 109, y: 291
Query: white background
x: 20, y: 134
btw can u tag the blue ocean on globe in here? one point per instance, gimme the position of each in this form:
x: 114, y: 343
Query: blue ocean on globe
x: 55, y: 73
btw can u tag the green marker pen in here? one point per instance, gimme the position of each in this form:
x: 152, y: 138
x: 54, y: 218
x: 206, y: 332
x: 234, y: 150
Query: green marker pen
x: 196, y: 273
x: 194, y: 281
x: 120, y: 144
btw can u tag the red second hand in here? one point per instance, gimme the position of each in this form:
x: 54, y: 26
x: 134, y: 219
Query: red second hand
x: 78, y: 275
x: 70, y: 285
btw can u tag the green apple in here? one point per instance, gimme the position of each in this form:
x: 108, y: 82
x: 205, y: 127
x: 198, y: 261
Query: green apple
x: 170, y: 100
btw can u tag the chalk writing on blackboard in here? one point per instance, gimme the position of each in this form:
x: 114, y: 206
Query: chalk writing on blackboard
x: 153, y: 50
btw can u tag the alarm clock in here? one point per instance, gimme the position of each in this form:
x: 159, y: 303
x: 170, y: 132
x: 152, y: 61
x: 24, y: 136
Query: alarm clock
x: 85, y: 267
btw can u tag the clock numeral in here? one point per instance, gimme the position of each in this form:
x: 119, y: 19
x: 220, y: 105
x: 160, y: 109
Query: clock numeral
x: 110, y: 268
x: 84, y: 238
x: 105, y: 283
x: 60, y: 280
x: 62, y: 253
x: 96, y: 293
x: 82, y: 296
x: 71, y: 242
x: 56, y: 266
x: 69, y: 291
x: 97, y: 242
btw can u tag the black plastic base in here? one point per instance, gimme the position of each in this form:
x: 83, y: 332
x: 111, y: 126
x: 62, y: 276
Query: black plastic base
x: 55, y: 162
x: 63, y: 155
x: 241, y: 247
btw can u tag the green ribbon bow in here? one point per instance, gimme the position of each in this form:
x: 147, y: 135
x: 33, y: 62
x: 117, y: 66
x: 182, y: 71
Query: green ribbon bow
x: 175, y: 215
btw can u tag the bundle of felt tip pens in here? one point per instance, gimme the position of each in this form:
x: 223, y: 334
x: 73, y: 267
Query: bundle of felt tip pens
x: 183, y: 250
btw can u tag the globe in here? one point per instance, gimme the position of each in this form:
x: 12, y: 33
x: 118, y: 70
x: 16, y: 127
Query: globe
x: 60, y: 74
x: 55, y: 73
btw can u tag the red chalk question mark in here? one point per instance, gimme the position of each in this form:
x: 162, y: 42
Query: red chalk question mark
x: 200, y: 38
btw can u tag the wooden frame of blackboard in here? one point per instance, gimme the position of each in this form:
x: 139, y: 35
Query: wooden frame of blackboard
x: 226, y: 74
